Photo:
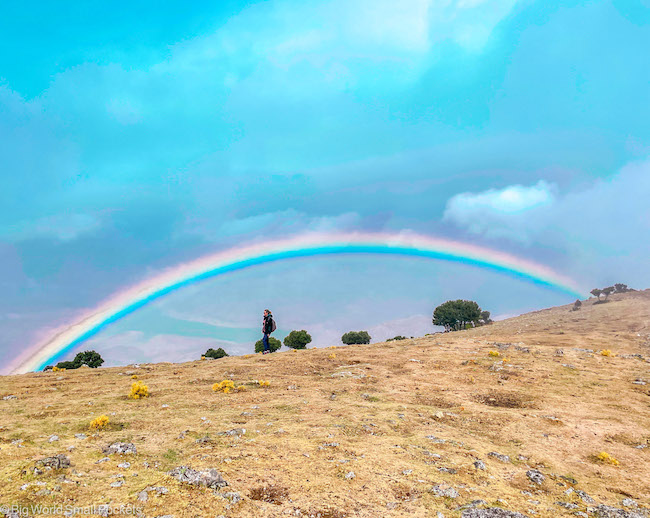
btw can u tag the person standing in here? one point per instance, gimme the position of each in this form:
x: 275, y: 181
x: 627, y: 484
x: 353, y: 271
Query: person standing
x: 268, y: 326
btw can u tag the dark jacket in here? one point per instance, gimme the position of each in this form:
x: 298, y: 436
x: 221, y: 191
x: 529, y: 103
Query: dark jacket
x: 267, y: 324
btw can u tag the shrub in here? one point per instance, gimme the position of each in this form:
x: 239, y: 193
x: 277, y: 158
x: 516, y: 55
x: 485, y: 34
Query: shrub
x: 274, y: 345
x: 332, y: 356
x: 494, y: 354
x: 215, y: 353
x: 90, y: 358
x: 607, y: 352
x: 356, y: 337
x: 398, y: 337
x: 138, y: 390
x: 265, y: 384
x: 57, y: 369
x: 99, y: 422
x: 227, y: 386
x: 606, y: 458
x: 297, y: 339
x: 134, y: 377
x: 577, y: 305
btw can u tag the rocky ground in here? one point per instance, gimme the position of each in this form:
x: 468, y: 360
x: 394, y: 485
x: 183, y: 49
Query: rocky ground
x: 525, y: 417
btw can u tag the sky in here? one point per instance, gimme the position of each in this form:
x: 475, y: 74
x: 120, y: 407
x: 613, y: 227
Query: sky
x: 137, y: 136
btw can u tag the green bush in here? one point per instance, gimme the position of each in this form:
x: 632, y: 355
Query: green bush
x: 90, y: 358
x: 356, y: 337
x: 274, y: 345
x: 398, y: 337
x: 297, y: 339
x: 218, y: 353
x: 457, y: 314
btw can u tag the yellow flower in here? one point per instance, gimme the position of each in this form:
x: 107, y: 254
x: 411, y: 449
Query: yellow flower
x: 99, y: 422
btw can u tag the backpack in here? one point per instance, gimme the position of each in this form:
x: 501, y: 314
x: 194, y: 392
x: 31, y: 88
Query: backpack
x: 273, y: 326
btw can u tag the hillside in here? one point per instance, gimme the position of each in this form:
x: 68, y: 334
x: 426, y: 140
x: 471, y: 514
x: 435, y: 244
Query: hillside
x: 419, y: 427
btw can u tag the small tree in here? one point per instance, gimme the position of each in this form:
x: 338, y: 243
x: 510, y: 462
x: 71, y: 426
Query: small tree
x: 274, y: 345
x: 596, y: 293
x: 456, y: 314
x: 608, y: 291
x: 577, y: 305
x: 218, y: 353
x: 485, y: 318
x: 356, y: 337
x: 398, y: 337
x: 90, y: 358
x: 620, y: 288
x: 297, y: 339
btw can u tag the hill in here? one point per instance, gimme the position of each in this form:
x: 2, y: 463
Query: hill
x: 511, y: 415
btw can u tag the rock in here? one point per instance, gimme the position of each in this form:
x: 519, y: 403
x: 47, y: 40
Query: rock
x: 559, y: 352
x: 53, y: 438
x: 43, y: 492
x: 143, y: 496
x: 439, y: 415
x: 59, y: 461
x: 443, y: 490
x: 605, y: 511
x: 234, y: 431
x: 436, y: 439
x: 233, y: 497
x: 535, y: 476
x: 124, y: 465
x: 203, y: 440
x: 629, y: 502
x: 210, y: 477
x: 165, y: 406
x: 499, y: 456
x: 330, y: 445
x: 479, y: 464
x: 104, y: 459
x: 120, y: 447
x: 567, y: 505
x: 451, y: 471
x: 117, y: 483
x: 391, y: 505
x: 639, y: 382
x: 585, y: 497
x: 491, y: 512
x: 10, y: 396
x: 80, y: 436
x: 407, y: 472
x: 350, y: 475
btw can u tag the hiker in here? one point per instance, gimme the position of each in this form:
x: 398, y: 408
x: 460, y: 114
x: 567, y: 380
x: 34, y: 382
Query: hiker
x: 268, y: 326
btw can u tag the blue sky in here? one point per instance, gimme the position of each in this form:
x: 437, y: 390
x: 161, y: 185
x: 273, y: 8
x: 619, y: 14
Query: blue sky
x: 137, y: 136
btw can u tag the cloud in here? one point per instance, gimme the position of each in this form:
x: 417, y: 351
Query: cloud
x: 500, y: 212
x: 61, y: 227
x: 599, y: 229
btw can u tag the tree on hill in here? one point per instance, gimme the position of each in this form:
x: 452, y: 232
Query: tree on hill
x: 608, y: 291
x: 356, y: 337
x: 596, y: 293
x: 218, y: 353
x: 90, y: 358
x: 577, y: 305
x: 621, y: 288
x: 485, y: 318
x: 297, y: 339
x: 398, y: 337
x: 454, y: 315
x: 274, y: 345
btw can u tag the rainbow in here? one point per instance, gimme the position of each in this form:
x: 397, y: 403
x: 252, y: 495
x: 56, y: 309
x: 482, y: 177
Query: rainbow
x: 123, y: 303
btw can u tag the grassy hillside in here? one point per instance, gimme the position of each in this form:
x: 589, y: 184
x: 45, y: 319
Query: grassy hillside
x: 402, y: 428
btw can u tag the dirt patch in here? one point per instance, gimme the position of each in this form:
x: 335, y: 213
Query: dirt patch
x: 272, y: 494
x: 505, y: 400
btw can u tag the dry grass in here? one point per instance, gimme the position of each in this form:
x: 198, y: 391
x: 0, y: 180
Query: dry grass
x: 370, y: 410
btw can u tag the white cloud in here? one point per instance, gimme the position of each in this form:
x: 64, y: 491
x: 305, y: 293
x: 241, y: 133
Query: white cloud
x: 609, y: 220
x: 500, y: 212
